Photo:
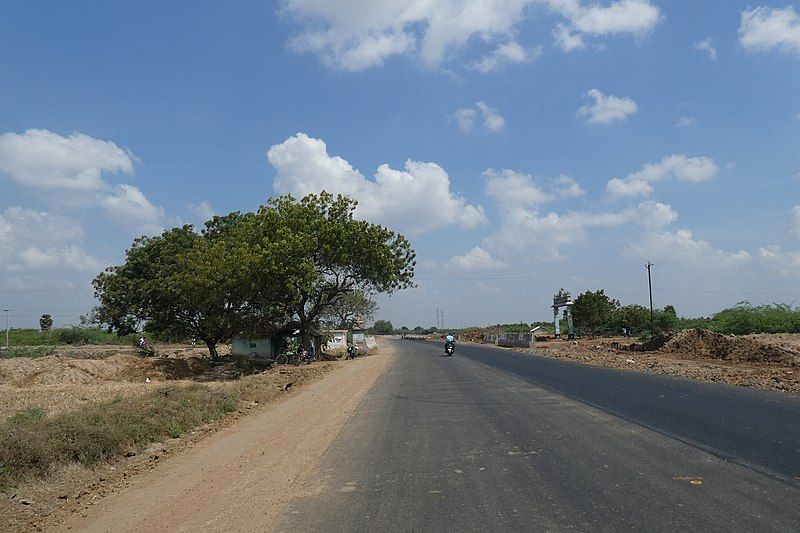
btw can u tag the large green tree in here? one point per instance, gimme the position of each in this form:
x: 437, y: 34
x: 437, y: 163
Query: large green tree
x: 326, y: 254
x: 268, y: 273
x: 179, y: 284
x: 593, y: 311
x: 382, y: 327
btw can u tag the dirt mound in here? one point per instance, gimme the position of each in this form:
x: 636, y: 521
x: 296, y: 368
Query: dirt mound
x: 476, y: 334
x: 747, y: 348
x: 53, y: 370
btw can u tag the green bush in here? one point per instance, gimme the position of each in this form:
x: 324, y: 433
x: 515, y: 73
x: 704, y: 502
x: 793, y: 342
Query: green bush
x: 71, y: 335
x: 27, y: 351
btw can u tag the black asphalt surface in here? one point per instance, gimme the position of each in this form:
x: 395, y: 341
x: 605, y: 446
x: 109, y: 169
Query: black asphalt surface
x: 490, y: 440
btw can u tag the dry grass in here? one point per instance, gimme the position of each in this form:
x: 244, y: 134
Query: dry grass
x: 31, y: 443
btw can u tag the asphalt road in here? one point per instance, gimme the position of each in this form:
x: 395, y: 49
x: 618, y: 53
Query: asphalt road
x: 494, y: 441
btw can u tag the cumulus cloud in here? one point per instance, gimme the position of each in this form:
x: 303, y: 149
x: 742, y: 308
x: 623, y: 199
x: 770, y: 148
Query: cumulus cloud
x: 566, y: 39
x: 476, y: 259
x: 127, y: 205
x: 681, y: 247
x: 707, y: 47
x: 492, y: 120
x: 506, y: 54
x: 358, y: 34
x: 34, y: 240
x: 417, y: 199
x: 465, y: 117
x: 203, y: 210
x: 566, y: 187
x: 635, y: 17
x: 70, y: 172
x: 607, y: 109
x: 680, y: 167
x: 684, y: 122
x: 525, y: 228
x: 514, y: 189
x: 765, y: 28
x: 45, y: 160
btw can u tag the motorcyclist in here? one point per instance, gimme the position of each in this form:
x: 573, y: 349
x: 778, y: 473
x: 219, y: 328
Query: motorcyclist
x: 351, y: 351
x: 449, y: 340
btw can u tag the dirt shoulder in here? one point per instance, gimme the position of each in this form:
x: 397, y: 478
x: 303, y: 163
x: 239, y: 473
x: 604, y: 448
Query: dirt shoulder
x: 762, y: 361
x: 237, y: 478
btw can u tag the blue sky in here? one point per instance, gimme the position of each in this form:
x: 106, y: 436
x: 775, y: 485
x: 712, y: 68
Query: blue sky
x: 523, y: 145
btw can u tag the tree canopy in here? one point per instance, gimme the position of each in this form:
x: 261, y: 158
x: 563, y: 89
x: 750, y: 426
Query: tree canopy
x: 46, y: 323
x: 350, y: 309
x: 268, y: 272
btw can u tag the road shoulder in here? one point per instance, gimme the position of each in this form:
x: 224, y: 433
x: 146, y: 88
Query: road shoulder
x: 240, y: 477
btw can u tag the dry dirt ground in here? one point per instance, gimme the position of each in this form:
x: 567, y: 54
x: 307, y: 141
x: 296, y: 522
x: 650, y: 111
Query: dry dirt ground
x: 766, y: 361
x: 265, y: 449
x: 75, y: 376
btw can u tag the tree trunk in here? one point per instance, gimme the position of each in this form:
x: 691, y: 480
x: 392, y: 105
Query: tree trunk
x: 212, y: 347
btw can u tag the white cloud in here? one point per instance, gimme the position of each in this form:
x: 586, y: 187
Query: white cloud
x: 685, y: 122
x: 417, y: 199
x: 34, y: 240
x: 524, y: 230
x: 127, y: 205
x: 707, y: 47
x: 778, y: 260
x: 492, y: 120
x: 203, y: 210
x: 607, y: 109
x: 635, y: 17
x: 45, y: 160
x: 476, y: 259
x: 567, y: 187
x: 513, y: 189
x: 57, y: 257
x: 358, y: 34
x: 465, y: 118
x: 765, y: 28
x: 69, y: 172
x: 566, y: 39
x: 680, y: 167
x: 506, y: 54
x: 680, y: 247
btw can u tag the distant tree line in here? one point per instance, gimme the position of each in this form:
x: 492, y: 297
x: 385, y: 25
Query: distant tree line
x: 595, y: 313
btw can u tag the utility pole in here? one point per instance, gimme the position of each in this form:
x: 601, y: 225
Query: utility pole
x: 442, y: 318
x: 6, y: 312
x: 650, y: 287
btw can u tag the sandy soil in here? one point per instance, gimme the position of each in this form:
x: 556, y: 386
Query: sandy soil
x: 76, y: 376
x: 239, y: 477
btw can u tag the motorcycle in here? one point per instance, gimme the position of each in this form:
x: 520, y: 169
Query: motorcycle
x: 449, y: 349
x: 351, y: 352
